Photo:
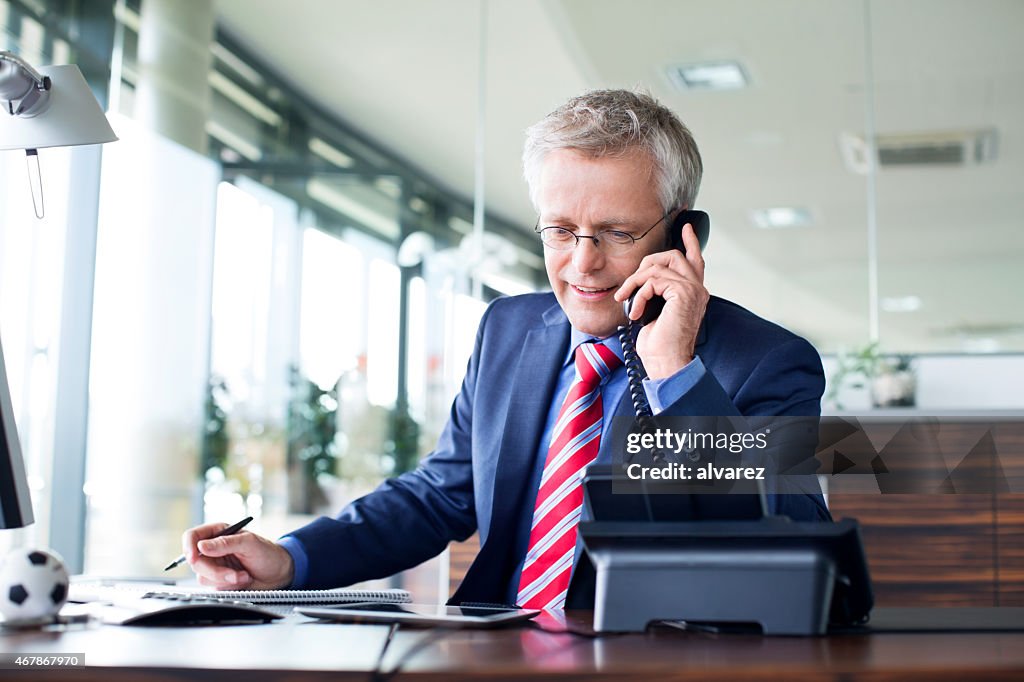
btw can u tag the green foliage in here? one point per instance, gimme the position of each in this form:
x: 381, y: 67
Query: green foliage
x: 404, y: 443
x: 312, y: 427
x: 216, y: 439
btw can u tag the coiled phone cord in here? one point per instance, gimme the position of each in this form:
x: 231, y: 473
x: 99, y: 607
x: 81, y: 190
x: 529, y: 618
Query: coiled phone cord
x: 636, y: 374
x: 644, y: 415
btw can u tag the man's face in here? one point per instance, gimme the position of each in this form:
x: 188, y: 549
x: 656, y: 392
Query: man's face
x: 587, y: 195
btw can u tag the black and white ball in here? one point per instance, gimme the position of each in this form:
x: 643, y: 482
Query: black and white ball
x: 33, y: 586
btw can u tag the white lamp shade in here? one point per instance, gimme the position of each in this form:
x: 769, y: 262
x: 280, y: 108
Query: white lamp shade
x: 72, y: 116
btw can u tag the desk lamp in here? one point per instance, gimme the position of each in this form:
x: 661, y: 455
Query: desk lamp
x: 52, y: 107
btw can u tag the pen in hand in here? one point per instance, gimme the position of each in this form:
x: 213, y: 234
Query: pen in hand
x: 230, y: 530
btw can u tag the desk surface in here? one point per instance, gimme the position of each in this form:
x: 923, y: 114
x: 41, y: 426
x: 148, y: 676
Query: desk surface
x: 301, y: 649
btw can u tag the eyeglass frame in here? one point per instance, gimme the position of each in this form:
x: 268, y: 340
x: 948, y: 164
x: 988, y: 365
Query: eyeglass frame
x: 596, y: 237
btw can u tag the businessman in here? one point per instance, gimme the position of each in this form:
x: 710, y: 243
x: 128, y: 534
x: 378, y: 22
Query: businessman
x: 607, y: 172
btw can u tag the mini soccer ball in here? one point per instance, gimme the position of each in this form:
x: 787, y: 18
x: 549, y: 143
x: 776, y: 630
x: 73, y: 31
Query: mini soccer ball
x: 33, y: 586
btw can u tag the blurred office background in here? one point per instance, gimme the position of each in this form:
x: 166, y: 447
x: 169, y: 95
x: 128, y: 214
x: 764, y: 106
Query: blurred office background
x: 262, y: 299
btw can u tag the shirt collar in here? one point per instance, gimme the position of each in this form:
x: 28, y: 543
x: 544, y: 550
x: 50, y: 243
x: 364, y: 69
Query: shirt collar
x: 577, y: 337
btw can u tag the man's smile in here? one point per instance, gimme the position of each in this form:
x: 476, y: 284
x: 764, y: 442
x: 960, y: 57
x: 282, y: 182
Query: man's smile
x: 592, y: 293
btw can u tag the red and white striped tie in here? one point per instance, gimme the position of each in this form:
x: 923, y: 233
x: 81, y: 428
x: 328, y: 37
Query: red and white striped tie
x: 575, y: 441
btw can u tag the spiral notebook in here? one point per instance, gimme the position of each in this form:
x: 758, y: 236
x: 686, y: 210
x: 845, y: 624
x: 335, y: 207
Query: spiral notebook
x: 107, y: 590
x: 339, y: 596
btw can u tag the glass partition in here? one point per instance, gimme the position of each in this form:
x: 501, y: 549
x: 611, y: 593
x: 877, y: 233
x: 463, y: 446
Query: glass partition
x: 948, y: 107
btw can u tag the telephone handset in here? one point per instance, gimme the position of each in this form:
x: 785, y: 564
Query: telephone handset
x: 702, y: 228
x: 628, y: 333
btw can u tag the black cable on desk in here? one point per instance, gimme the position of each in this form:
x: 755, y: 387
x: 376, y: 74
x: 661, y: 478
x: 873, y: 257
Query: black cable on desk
x: 433, y: 635
x: 383, y: 651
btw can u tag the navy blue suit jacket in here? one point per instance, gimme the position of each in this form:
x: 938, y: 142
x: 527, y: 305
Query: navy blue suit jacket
x: 477, y: 477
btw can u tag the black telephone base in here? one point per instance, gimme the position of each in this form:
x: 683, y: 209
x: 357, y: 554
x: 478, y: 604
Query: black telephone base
x: 787, y: 577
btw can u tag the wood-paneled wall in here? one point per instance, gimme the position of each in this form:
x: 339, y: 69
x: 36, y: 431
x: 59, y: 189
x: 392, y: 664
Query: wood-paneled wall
x: 961, y: 547
x: 461, y: 555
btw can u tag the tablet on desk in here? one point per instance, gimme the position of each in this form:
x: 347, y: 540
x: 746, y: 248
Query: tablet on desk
x: 420, y: 614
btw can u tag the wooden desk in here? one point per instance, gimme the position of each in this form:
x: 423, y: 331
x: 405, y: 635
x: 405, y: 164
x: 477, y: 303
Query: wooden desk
x: 300, y: 649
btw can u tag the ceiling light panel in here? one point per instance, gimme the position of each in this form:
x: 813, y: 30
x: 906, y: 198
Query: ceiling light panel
x: 718, y: 75
x: 901, y: 304
x: 780, y: 217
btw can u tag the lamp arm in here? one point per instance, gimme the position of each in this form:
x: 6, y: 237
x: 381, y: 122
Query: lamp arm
x: 20, y: 83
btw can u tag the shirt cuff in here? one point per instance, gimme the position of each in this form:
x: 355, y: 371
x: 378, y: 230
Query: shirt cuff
x: 299, y: 558
x: 664, y: 392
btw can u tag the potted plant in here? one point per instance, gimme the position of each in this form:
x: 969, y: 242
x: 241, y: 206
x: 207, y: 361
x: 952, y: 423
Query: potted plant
x: 890, y: 378
x: 894, y: 383
x: 216, y: 439
x: 403, y: 446
x: 312, y: 442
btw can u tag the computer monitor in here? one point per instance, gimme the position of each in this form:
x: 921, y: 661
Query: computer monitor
x: 15, y: 504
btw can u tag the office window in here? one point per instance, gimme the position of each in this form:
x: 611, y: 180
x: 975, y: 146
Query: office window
x: 241, y: 294
x: 244, y: 367
x: 442, y: 330
x: 253, y: 345
x: 150, y: 350
x: 333, y: 315
x: 464, y: 313
x: 348, y: 349
x: 382, y: 330
x: 418, y: 355
x: 31, y: 280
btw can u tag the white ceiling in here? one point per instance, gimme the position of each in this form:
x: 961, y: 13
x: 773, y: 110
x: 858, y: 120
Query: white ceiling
x: 406, y: 73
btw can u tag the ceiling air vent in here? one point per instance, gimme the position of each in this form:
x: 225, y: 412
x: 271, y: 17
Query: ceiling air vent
x: 946, y: 148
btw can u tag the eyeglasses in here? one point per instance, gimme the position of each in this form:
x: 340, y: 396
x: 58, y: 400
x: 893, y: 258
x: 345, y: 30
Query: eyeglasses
x: 612, y: 242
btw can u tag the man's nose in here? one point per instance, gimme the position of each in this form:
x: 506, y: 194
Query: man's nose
x: 587, y: 256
